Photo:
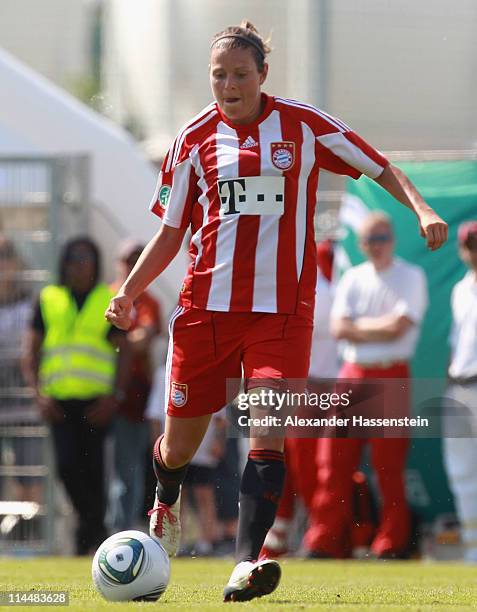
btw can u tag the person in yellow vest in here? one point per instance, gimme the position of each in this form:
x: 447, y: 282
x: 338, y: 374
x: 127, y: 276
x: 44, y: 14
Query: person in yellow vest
x: 72, y: 361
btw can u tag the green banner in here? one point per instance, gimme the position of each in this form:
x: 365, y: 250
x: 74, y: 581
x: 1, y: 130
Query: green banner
x: 451, y: 189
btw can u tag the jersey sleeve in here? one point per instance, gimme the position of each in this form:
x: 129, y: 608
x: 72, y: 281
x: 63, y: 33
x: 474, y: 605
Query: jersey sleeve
x: 176, y: 188
x: 342, y: 151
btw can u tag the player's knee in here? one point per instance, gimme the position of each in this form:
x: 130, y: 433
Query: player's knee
x: 175, y: 457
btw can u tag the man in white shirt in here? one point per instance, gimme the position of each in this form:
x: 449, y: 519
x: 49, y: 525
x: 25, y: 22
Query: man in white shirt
x: 376, y: 314
x: 460, y: 422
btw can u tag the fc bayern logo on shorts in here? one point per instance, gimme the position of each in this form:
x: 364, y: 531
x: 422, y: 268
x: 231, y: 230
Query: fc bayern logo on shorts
x: 178, y: 394
x: 283, y: 154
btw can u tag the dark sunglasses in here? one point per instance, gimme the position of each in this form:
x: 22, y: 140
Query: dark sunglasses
x: 79, y: 257
x: 378, y: 238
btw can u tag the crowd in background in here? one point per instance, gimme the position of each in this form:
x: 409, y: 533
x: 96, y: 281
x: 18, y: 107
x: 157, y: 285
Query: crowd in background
x: 93, y: 384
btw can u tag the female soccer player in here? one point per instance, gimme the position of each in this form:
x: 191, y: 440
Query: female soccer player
x: 243, y: 175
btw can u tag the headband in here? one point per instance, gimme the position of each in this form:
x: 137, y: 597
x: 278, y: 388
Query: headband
x: 241, y: 37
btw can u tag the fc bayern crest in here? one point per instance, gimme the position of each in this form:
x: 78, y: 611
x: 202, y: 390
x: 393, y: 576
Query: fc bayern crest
x: 283, y: 154
x: 178, y: 394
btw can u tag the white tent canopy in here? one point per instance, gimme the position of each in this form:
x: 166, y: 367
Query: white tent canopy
x: 37, y: 117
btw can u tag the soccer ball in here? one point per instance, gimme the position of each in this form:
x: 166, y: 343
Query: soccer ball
x: 131, y: 566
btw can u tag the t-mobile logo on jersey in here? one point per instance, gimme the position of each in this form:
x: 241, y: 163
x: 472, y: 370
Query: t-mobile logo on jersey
x: 252, y: 195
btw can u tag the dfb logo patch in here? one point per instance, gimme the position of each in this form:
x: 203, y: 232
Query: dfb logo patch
x: 178, y: 394
x: 164, y: 195
x: 283, y: 154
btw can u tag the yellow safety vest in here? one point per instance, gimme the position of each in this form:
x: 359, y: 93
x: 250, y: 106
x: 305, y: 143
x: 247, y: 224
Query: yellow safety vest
x: 77, y: 360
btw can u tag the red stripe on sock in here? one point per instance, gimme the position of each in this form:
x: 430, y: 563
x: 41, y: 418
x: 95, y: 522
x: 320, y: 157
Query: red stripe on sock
x: 263, y: 454
x: 157, y: 452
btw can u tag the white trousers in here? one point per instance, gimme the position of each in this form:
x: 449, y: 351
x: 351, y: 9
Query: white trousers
x: 460, y: 459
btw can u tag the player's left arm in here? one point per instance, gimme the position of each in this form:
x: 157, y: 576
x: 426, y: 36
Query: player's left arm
x: 342, y: 151
x: 397, y: 184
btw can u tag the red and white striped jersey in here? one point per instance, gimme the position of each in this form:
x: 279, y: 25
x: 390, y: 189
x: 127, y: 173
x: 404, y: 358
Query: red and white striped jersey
x: 248, y: 193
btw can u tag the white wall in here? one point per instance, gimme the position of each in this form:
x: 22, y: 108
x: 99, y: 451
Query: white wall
x: 401, y: 72
x: 405, y: 72
x: 51, y: 36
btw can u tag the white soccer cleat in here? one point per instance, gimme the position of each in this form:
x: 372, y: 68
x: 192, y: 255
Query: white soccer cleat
x: 165, y: 525
x: 252, y: 579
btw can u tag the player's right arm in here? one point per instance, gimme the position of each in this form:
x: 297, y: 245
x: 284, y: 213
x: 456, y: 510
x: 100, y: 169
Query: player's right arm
x: 155, y: 258
x: 173, y: 200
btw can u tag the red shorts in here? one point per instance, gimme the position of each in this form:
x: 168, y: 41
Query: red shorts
x: 209, y: 348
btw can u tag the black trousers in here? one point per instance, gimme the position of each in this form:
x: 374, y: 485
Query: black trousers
x: 79, y: 454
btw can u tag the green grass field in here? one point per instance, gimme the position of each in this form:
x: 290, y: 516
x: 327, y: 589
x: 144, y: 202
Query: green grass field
x: 306, y: 585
